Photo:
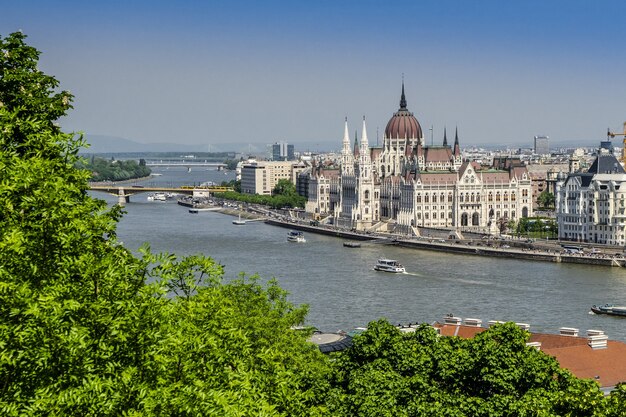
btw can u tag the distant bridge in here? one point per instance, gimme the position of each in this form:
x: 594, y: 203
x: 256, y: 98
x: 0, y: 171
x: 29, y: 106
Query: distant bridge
x: 123, y: 193
x: 186, y: 164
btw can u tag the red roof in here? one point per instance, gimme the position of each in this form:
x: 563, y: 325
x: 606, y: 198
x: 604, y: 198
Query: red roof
x: 607, y: 366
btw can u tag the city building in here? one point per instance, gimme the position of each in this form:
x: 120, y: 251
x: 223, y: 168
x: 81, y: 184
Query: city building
x: 590, y: 206
x: 542, y: 145
x: 406, y: 184
x: 282, y: 151
x: 260, y: 177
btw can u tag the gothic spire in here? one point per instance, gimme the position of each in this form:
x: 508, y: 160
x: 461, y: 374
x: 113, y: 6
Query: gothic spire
x: 356, y: 144
x: 346, y: 135
x: 445, y: 139
x: 364, y: 142
x: 457, y: 148
x: 402, y: 97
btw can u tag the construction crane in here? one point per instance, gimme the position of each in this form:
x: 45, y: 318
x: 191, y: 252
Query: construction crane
x: 610, y: 134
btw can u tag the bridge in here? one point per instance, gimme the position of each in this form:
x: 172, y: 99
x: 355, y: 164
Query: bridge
x: 186, y: 164
x: 123, y: 193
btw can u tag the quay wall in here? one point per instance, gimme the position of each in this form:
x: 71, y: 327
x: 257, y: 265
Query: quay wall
x: 460, y: 248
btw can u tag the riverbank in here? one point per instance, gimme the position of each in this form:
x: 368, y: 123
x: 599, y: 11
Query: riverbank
x: 465, y: 247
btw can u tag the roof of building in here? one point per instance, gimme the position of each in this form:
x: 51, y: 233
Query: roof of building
x: 606, y: 163
x: 433, y: 154
x: 606, y: 365
x: 438, y: 177
x: 403, y: 124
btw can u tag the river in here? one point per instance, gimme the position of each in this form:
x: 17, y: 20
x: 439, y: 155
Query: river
x: 343, y: 291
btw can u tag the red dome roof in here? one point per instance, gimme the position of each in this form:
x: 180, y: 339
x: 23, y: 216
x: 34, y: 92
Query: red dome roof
x: 403, y: 124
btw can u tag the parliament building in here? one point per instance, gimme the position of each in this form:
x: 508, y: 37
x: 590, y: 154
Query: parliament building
x: 406, y: 184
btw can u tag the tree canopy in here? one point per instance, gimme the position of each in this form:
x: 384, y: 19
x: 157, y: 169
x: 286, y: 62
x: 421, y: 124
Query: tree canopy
x: 89, y: 329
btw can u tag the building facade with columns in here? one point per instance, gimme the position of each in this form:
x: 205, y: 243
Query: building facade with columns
x: 407, y: 184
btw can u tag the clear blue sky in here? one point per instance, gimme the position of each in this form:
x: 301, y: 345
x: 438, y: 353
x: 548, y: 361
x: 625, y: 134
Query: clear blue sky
x: 200, y: 72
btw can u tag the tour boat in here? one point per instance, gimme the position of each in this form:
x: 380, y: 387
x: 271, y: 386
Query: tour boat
x: 609, y: 309
x: 389, y: 265
x: 294, y: 236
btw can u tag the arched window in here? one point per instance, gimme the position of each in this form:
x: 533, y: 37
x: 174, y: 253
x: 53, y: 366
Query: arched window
x: 475, y: 219
x: 525, y: 211
x: 490, y: 198
x: 367, y: 194
x: 498, y: 196
x: 506, y: 196
x: 464, y: 219
x: 419, y: 198
x: 513, y: 196
x: 426, y: 199
x: 434, y: 198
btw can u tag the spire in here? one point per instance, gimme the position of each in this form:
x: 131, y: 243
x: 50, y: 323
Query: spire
x: 457, y: 149
x: 356, y: 144
x: 364, y: 143
x: 402, y: 97
x: 346, y: 135
x: 445, y: 139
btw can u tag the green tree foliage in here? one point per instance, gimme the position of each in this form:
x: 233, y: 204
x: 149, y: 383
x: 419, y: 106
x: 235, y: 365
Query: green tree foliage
x: 546, y: 199
x: 116, y: 170
x: 389, y: 373
x: 86, y: 328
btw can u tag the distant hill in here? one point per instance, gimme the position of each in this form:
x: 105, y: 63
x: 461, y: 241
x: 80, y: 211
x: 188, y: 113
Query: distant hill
x: 112, y: 144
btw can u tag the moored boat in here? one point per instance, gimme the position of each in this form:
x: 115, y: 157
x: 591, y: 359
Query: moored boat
x: 158, y: 196
x: 352, y: 244
x: 389, y: 265
x: 295, y: 236
x: 609, y: 309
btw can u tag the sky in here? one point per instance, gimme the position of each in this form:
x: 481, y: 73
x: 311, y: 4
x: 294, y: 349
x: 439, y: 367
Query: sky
x: 258, y: 72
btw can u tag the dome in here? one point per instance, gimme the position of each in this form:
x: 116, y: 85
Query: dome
x: 403, y: 124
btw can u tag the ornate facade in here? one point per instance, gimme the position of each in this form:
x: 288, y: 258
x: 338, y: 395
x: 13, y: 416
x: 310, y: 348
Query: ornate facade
x: 406, y: 184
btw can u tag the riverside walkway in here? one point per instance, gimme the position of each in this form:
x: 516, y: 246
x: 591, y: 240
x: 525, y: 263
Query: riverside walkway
x: 525, y: 251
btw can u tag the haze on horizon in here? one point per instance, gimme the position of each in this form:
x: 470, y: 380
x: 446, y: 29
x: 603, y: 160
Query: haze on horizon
x: 214, y: 72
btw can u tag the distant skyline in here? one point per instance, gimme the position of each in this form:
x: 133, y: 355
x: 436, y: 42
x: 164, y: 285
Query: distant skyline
x: 208, y: 73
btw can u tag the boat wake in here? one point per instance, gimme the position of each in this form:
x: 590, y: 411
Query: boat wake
x: 413, y: 274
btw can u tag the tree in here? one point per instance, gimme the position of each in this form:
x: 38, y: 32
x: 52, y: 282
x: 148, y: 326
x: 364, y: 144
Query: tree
x: 546, y: 199
x: 389, y: 373
x: 87, y: 328
x: 284, y: 187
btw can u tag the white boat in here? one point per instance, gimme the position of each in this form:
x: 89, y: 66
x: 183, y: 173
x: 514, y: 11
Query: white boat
x: 157, y: 197
x: 295, y: 236
x: 389, y: 265
x: 239, y: 222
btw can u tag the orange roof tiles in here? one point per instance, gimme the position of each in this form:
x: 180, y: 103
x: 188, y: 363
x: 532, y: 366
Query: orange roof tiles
x: 607, y: 366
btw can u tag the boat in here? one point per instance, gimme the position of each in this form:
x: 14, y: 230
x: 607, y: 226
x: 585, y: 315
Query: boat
x: 196, y: 210
x: 389, y: 265
x: 609, y: 309
x: 157, y: 197
x: 352, y: 244
x: 239, y: 222
x: 294, y: 236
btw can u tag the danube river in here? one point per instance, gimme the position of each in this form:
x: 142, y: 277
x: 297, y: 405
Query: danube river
x: 342, y: 289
